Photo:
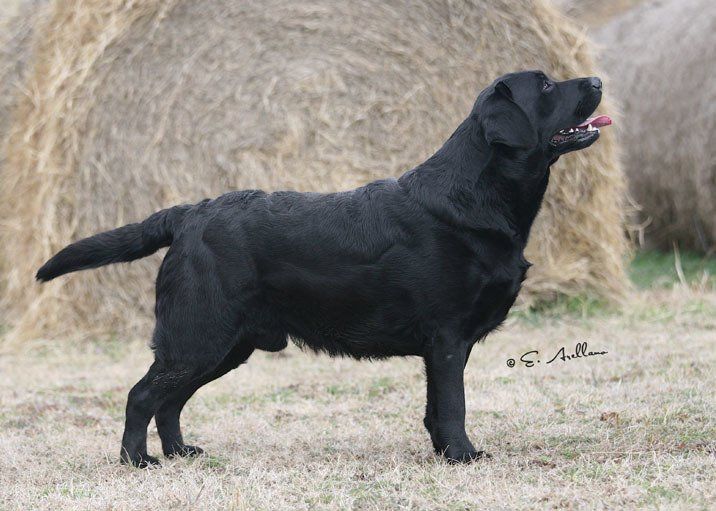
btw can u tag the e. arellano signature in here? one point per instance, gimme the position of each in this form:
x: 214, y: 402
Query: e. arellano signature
x: 530, y: 358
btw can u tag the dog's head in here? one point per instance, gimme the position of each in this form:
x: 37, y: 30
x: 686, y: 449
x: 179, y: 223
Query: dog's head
x: 528, y: 111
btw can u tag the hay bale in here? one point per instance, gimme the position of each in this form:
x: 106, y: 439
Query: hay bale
x: 17, y: 21
x: 663, y: 55
x: 595, y: 13
x: 9, y: 9
x: 154, y: 103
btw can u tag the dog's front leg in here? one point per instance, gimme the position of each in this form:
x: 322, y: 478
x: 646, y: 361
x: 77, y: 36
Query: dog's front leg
x: 445, y: 412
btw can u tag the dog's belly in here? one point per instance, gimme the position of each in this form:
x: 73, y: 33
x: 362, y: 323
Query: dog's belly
x: 369, y: 344
x: 354, y: 326
x: 379, y: 319
x: 359, y: 315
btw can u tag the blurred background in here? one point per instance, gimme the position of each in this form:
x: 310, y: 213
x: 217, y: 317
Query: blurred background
x: 113, y: 109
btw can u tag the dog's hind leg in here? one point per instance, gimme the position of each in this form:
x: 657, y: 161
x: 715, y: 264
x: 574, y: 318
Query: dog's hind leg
x: 161, y: 380
x: 168, y: 414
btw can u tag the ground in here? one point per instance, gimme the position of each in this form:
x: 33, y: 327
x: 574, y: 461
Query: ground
x: 633, y: 428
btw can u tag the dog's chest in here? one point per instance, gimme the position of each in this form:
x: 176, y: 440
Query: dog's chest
x: 491, y: 291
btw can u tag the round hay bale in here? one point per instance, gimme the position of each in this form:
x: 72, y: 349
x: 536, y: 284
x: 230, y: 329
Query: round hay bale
x: 141, y: 105
x: 17, y: 21
x: 596, y: 13
x: 663, y: 55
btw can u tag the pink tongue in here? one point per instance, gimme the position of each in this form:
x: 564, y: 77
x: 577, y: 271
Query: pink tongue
x: 596, y: 122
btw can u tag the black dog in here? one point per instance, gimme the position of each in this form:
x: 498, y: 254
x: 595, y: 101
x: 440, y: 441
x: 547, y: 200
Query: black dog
x: 423, y: 265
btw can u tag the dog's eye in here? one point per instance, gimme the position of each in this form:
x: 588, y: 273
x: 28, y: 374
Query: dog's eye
x: 547, y: 85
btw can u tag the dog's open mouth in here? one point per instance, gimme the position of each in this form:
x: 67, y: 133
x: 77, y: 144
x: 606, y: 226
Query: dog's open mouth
x: 588, y: 130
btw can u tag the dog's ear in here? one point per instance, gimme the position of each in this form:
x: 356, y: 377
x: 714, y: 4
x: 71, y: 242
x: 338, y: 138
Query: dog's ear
x: 504, y: 122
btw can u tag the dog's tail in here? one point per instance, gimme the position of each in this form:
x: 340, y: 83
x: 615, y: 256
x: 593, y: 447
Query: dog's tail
x: 124, y: 244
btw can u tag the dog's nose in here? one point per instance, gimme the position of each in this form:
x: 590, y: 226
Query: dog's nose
x: 595, y: 82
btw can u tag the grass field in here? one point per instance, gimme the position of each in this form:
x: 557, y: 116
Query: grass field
x: 633, y: 428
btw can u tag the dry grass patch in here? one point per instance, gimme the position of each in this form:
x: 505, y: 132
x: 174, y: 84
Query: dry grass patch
x: 634, y: 428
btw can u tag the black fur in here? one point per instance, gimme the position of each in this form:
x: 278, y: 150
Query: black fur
x: 424, y: 265
x: 121, y: 245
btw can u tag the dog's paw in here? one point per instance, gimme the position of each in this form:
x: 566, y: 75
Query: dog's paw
x: 140, y: 461
x: 184, y: 451
x: 456, y: 457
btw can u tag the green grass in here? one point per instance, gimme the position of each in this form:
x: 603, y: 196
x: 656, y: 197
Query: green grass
x: 648, y: 270
x: 652, y: 269
x: 382, y: 385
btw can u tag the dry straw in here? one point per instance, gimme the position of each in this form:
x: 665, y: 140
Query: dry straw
x: 133, y: 106
x: 596, y: 12
x: 662, y: 57
x: 16, y: 31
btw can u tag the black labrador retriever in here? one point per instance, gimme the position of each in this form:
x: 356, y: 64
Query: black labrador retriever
x: 424, y: 265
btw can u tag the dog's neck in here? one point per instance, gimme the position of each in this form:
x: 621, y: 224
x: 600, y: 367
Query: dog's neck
x: 486, y: 188
x: 520, y: 184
